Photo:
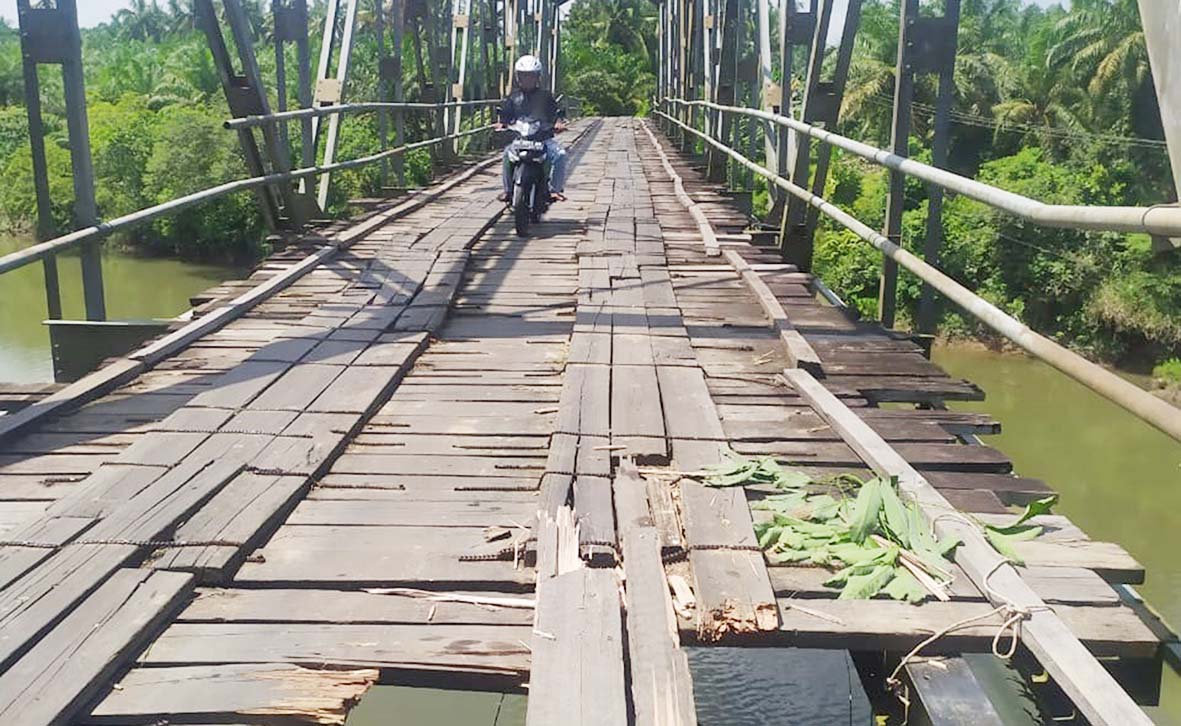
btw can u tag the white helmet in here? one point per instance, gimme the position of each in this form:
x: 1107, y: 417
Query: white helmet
x: 528, y: 64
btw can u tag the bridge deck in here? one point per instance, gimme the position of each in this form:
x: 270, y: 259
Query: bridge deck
x: 392, y: 422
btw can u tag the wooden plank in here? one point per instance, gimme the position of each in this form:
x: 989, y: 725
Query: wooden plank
x: 637, y: 419
x: 899, y: 626
x: 51, y: 682
x: 949, y: 694
x: 1073, y: 668
x: 733, y: 590
x: 369, y: 556
x: 596, y: 520
x: 304, y: 605
x: 661, y: 685
x: 471, y: 648
x: 231, y: 693
x: 297, y: 387
x: 578, y: 677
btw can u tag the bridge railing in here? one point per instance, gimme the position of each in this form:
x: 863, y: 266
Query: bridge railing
x: 1159, y: 220
x: 104, y: 229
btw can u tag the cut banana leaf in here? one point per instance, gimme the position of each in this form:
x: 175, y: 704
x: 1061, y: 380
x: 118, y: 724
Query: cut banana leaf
x: 906, y: 587
x: 863, y: 587
x: 865, y: 511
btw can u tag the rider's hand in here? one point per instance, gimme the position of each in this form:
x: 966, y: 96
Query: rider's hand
x: 498, y: 126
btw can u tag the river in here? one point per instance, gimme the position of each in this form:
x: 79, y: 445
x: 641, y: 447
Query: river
x: 1119, y: 477
x: 136, y: 288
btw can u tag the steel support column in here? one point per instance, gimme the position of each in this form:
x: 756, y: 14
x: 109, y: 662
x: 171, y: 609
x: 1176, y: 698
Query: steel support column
x: 925, y: 45
x: 51, y: 36
x: 820, y: 105
x: 291, y: 26
x: 724, y: 91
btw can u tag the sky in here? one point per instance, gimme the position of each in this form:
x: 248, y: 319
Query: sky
x: 93, y: 12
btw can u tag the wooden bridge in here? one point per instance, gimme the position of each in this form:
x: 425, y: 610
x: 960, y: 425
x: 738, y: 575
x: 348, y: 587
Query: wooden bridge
x: 415, y: 448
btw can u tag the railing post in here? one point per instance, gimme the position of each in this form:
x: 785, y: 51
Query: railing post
x: 769, y: 94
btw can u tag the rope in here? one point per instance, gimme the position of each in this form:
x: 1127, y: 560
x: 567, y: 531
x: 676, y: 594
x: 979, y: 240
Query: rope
x: 1012, y: 616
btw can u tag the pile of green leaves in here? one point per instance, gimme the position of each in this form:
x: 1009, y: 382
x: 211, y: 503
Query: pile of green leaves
x: 864, y: 538
x: 861, y: 529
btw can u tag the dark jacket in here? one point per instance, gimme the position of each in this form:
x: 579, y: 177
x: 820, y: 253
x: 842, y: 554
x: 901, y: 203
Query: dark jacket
x: 538, y: 104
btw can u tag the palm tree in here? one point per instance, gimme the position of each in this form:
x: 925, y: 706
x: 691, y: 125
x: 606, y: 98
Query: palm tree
x: 1103, y: 41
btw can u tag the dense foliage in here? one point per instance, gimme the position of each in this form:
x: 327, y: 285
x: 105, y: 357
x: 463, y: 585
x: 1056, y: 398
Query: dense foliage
x: 156, y: 108
x: 1052, y: 103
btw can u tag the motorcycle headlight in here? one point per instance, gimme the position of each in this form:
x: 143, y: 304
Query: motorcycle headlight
x: 513, y: 156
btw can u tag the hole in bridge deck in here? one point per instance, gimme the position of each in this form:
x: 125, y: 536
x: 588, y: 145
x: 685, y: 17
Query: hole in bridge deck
x: 761, y: 686
x: 416, y: 706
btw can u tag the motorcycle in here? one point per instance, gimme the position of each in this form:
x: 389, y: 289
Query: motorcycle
x: 526, y: 155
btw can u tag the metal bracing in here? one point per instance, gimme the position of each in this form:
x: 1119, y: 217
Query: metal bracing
x: 770, y: 93
x: 460, y: 37
x: 926, y: 44
x: 245, y: 97
x: 51, y: 36
x: 820, y: 105
x: 332, y: 90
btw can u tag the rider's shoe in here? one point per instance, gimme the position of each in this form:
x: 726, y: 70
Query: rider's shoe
x: 556, y: 197
x: 503, y: 197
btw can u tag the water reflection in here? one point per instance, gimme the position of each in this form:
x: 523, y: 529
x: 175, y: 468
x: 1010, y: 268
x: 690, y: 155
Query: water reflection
x: 136, y: 288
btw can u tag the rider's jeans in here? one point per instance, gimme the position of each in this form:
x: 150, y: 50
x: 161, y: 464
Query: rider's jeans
x: 555, y: 154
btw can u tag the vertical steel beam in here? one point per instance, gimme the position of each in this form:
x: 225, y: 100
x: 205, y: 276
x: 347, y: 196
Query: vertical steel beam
x: 899, y: 144
x: 85, y: 206
x: 724, y: 89
x: 925, y: 45
x: 51, y: 35
x: 821, y: 105
x: 394, y: 76
x: 928, y: 312
x: 53, y: 302
x: 291, y: 26
x: 383, y: 119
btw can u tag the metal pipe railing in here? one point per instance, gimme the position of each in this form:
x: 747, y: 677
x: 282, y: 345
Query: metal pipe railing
x: 246, y: 122
x: 1162, y: 220
x: 1143, y: 404
x: 103, y: 229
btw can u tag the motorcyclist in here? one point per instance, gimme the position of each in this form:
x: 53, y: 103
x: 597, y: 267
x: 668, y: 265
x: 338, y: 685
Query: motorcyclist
x: 530, y: 100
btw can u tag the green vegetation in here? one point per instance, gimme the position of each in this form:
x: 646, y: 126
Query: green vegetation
x: 1168, y: 373
x: 1052, y: 103
x: 156, y: 109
